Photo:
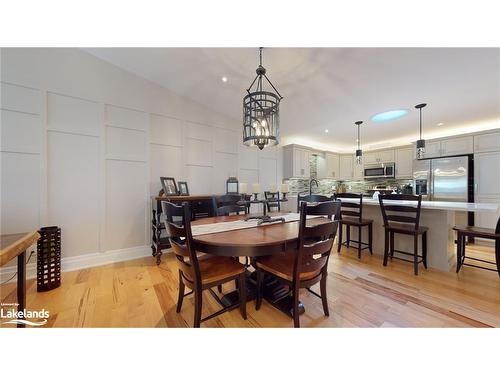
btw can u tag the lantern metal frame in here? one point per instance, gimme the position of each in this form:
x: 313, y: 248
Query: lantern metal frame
x: 420, y: 142
x: 261, y: 112
x: 359, y: 152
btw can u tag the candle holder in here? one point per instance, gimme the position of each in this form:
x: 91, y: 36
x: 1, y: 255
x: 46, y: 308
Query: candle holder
x: 256, y: 196
x: 284, y: 197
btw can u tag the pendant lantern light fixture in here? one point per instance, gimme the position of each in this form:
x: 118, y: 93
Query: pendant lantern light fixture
x: 261, y: 111
x: 420, y: 142
x: 359, y: 152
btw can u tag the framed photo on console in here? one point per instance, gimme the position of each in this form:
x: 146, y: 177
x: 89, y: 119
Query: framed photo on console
x: 169, y: 186
x: 183, y: 188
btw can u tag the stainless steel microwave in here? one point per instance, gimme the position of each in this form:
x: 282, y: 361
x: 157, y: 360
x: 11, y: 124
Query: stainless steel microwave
x: 380, y: 170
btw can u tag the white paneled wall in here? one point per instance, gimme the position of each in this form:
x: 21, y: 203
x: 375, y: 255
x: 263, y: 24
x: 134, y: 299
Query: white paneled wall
x: 83, y: 145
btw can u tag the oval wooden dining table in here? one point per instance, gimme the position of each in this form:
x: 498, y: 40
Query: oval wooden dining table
x: 266, y: 239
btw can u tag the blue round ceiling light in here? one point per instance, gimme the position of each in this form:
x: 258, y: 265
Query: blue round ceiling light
x: 389, y: 115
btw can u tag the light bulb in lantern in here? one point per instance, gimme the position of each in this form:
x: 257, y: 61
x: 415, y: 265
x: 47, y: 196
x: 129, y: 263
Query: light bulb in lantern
x: 420, y: 148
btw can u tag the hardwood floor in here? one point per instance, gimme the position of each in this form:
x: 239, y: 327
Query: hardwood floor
x: 361, y: 293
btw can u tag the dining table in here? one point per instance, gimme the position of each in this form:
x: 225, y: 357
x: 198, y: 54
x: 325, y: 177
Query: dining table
x: 234, y: 236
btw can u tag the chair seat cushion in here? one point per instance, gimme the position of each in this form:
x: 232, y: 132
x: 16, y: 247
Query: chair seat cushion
x: 355, y: 221
x: 405, y: 228
x: 214, y: 268
x: 281, y: 265
x: 477, y: 231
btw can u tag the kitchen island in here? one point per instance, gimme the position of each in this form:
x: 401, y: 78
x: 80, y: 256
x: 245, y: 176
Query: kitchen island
x: 438, y: 216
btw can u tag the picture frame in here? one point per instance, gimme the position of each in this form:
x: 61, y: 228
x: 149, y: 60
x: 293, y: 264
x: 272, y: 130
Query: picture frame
x: 169, y: 186
x: 183, y: 188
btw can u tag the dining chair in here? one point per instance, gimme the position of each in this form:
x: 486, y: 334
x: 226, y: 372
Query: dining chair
x: 351, y: 215
x: 200, y: 273
x: 272, y: 200
x: 308, y: 264
x: 313, y: 198
x: 403, y: 219
x: 228, y: 204
x: 464, y: 231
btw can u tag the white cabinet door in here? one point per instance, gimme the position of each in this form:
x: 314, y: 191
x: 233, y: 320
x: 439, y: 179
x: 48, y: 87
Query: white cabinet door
x: 386, y: 156
x: 487, y: 178
x: 332, y: 165
x: 371, y: 157
x: 404, y: 162
x: 297, y: 162
x: 487, y: 142
x: 486, y: 219
x: 457, y: 146
x: 432, y: 149
x: 305, y: 166
x: 346, y: 167
x: 321, y: 166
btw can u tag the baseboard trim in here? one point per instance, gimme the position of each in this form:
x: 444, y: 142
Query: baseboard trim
x: 83, y: 261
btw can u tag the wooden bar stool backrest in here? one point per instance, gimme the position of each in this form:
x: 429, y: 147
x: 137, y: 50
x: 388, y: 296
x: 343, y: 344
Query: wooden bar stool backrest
x: 225, y: 205
x: 313, y: 256
x: 392, y: 211
x: 272, y: 196
x: 181, y: 241
x: 313, y: 198
x: 351, y: 209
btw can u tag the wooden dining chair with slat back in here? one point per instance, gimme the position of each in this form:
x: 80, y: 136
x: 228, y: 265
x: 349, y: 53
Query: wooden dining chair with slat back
x: 313, y: 198
x: 308, y: 264
x: 202, y: 273
x: 351, y: 214
x: 403, y: 218
x: 228, y: 204
x: 272, y: 201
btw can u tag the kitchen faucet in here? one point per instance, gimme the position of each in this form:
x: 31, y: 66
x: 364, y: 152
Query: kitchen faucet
x: 310, y: 185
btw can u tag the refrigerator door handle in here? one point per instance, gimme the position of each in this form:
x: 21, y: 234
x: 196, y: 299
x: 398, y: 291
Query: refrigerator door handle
x: 431, y: 183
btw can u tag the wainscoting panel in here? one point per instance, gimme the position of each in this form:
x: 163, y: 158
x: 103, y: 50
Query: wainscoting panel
x: 225, y: 165
x: 226, y: 140
x: 20, y: 132
x: 20, y: 199
x: 20, y: 98
x: 73, y: 115
x: 248, y: 157
x: 249, y: 176
x: 126, y: 203
x: 165, y: 161
x: 199, y: 131
x: 198, y: 152
x: 125, y: 144
x: 165, y: 130
x: 126, y: 118
x: 73, y: 191
x: 199, y: 179
x: 267, y: 172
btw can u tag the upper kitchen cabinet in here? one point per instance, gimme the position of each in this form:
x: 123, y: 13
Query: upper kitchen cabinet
x: 328, y: 167
x: 487, y: 142
x: 374, y: 157
x: 346, y: 167
x: 296, y: 162
x: 404, y: 162
x: 449, y: 147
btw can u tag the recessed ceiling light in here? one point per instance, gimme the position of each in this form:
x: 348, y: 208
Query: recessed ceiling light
x: 224, y: 79
x: 389, y: 115
x: 326, y: 130
x: 440, y: 124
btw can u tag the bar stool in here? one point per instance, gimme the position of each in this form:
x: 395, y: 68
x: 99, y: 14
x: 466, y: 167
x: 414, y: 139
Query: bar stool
x: 477, y: 232
x: 351, y: 214
x: 403, y: 219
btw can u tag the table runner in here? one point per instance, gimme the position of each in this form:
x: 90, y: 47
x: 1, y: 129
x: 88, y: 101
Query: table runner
x: 198, y: 230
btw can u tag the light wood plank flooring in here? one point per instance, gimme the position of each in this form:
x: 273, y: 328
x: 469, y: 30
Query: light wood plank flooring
x: 361, y: 293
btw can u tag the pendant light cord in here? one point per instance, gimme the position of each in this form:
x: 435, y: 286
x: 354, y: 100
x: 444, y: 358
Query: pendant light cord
x: 359, y: 140
x: 260, y: 55
x: 420, y: 109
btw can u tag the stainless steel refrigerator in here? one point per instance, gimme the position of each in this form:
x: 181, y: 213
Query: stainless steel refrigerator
x: 444, y: 179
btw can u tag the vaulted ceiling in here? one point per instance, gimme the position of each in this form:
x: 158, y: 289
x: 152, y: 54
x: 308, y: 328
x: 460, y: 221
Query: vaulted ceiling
x: 330, y: 88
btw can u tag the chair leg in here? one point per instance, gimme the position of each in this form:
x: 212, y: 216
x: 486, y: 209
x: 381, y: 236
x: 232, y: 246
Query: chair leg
x: 180, y: 298
x: 386, y: 247
x: 219, y: 288
x: 243, y: 296
x: 497, y: 255
x: 424, y: 249
x: 415, y: 254
x: 339, y: 238
x: 459, y: 251
x: 258, y: 300
x: 197, y: 307
x: 324, y: 300
x: 360, y: 231
x: 391, y: 244
x: 348, y: 237
x: 296, y: 322
x: 370, y: 238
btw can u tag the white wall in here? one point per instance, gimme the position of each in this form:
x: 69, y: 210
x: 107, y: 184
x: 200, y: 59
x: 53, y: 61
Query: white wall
x: 83, y: 144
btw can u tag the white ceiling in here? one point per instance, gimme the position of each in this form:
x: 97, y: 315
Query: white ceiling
x: 330, y: 88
